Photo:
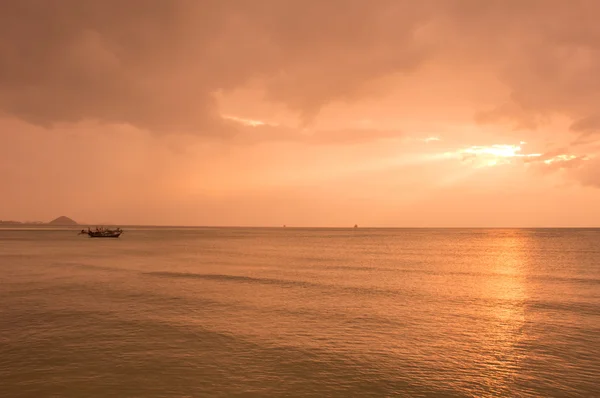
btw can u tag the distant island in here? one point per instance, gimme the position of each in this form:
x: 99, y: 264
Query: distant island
x: 62, y: 220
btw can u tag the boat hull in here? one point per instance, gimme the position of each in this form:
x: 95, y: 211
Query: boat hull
x: 104, y: 235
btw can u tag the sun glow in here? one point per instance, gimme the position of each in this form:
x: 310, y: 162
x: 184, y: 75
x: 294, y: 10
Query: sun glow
x: 503, y: 151
x: 492, y: 155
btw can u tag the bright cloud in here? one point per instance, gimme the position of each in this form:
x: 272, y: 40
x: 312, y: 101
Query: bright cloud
x: 244, y: 121
x: 562, y: 158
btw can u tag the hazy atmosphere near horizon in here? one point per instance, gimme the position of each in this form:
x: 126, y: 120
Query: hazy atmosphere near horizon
x: 305, y: 113
x: 144, y: 141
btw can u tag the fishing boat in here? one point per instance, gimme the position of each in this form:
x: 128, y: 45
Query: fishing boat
x: 103, y: 233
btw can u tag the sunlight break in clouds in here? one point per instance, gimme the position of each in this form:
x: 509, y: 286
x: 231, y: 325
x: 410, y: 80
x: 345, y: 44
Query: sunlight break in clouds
x: 498, y: 151
x: 492, y: 155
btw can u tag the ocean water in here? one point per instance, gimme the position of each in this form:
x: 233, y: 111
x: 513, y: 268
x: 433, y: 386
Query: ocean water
x: 225, y: 312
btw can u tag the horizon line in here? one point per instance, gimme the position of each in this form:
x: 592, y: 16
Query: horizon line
x: 292, y: 226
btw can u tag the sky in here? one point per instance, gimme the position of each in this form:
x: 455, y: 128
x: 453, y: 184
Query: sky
x: 386, y: 113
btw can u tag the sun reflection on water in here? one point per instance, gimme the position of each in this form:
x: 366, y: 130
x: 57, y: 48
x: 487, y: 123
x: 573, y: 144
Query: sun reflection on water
x: 503, y: 335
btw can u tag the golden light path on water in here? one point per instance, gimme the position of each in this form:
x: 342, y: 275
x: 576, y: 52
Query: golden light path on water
x: 504, y: 331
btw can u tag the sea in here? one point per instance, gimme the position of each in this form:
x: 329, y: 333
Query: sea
x: 292, y: 312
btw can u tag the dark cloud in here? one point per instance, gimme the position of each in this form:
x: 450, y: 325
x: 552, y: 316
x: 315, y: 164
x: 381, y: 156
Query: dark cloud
x: 589, y: 124
x: 546, y: 52
x: 581, y: 169
x: 70, y: 60
x: 156, y: 63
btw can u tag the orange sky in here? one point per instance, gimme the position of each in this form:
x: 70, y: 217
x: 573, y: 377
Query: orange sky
x: 301, y: 112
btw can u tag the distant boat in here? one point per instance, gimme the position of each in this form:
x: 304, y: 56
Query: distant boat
x: 355, y: 225
x: 102, y: 233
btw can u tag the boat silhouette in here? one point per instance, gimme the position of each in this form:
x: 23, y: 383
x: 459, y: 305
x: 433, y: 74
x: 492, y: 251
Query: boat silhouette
x: 102, y: 233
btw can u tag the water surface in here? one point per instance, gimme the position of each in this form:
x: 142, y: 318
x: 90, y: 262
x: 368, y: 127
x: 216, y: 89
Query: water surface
x: 194, y: 312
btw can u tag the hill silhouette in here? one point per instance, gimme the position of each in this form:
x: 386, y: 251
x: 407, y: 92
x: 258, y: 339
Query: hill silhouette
x: 62, y: 220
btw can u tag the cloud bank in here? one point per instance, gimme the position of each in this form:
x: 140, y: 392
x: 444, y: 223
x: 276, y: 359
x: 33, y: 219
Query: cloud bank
x: 157, y: 64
